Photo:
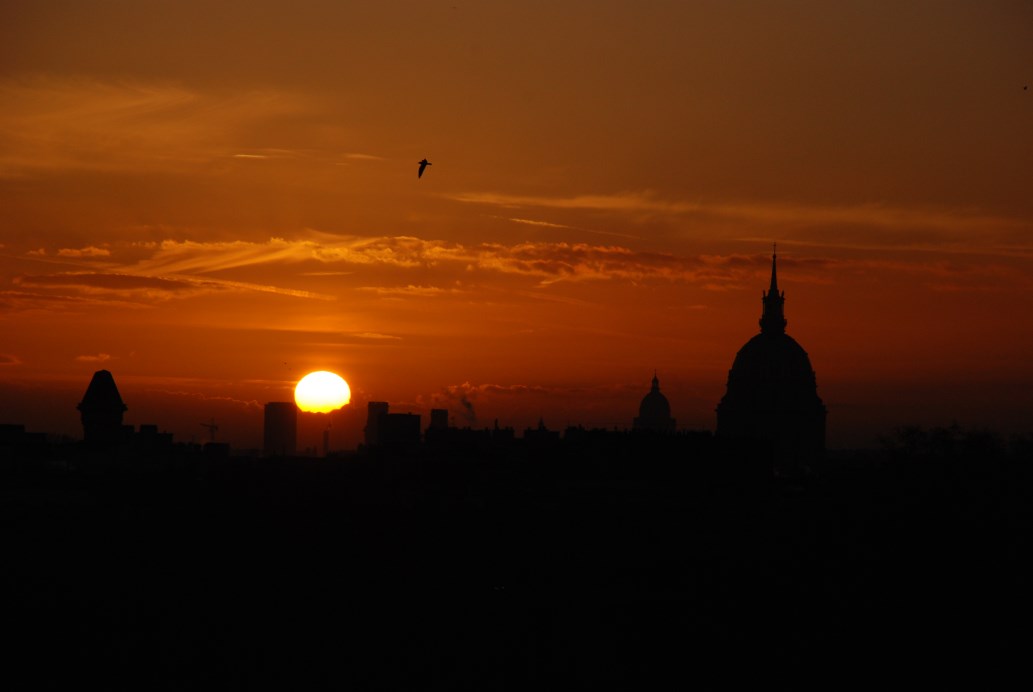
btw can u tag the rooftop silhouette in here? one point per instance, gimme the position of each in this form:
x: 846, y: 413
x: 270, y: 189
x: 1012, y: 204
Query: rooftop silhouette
x: 101, y: 410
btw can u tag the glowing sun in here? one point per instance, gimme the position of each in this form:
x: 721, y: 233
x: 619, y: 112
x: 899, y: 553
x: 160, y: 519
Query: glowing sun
x: 322, y: 392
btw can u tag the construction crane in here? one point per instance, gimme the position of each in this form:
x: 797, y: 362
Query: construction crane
x: 212, y: 427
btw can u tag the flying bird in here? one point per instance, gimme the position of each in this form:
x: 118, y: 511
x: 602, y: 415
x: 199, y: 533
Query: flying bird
x: 423, y: 164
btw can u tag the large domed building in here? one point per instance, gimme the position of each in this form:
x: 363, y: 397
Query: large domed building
x: 772, y: 394
x: 654, y: 413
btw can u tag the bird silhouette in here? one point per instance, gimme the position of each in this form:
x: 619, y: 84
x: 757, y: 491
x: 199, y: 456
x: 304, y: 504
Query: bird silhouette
x: 423, y: 164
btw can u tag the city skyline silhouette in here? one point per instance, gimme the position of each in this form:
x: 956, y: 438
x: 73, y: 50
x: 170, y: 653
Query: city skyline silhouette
x: 471, y: 557
x: 211, y: 231
x: 577, y: 452
x: 771, y: 397
x: 770, y: 363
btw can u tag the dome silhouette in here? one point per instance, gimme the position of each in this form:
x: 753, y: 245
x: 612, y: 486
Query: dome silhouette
x: 654, y: 413
x: 772, y: 393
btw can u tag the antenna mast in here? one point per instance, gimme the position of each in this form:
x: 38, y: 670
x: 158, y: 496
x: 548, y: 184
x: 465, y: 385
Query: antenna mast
x: 212, y: 427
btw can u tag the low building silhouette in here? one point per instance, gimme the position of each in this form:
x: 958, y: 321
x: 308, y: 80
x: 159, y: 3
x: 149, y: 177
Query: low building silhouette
x: 12, y: 434
x: 772, y: 395
x: 438, y: 419
x: 148, y: 438
x: 654, y: 413
x: 16, y: 443
x: 399, y: 429
x: 541, y: 437
x: 386, y: 429
x: 467, y: 439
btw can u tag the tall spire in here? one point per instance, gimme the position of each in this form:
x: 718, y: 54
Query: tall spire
x: 772, y: 320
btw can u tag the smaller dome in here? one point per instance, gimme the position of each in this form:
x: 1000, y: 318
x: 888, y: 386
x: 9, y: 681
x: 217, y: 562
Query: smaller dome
x: 654, y: 413
x: 654, y: 405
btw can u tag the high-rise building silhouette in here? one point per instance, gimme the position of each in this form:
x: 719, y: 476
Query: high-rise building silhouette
x: 374, y: 411
x: 280, y: 432
x: 101, y: 411
x: 772, y: 394
x: 654, y: 413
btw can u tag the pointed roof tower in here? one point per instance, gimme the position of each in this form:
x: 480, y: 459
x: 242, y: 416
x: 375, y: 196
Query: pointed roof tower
x: 101, y: 409
x: 102, y: 396
x: 772, y: 319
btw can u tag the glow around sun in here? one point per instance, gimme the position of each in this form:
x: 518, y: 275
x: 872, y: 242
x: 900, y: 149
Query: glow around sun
x: 321, y: 392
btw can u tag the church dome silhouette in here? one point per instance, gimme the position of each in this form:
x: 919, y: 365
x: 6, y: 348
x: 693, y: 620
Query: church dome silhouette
x: 775, y: 356
x: 772, y: 393
x: 654, y: 413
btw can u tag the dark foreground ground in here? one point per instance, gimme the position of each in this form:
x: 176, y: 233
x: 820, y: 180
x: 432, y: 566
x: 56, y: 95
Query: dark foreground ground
x: 466, y: 572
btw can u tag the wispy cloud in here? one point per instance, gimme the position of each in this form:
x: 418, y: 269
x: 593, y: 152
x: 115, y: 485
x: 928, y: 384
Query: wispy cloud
x: 151, y: 287
x: 191, y: 257
x: 384, y: 267
x: 267, y: 153
x: 554, y: 261
x: 929, y: 224
x: 396, y: 291
x: 85, y: 252
x: 9, y: 359
x: 113, y: 282
x: 98, y: 358
x: 374, y: 336
x: 181, y: 264
x: 546, y: 224
x: 549, y: 224
x: 364, y: 157
x: 22, y: 301
x: 626, y: 201
x: 76, y: 123
x: 245, y: 286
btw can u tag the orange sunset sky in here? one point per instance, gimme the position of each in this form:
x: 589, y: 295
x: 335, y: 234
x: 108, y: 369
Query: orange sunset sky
x: 211, y: 199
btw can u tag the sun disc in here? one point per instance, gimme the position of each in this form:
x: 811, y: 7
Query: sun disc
x: 321, y: 392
